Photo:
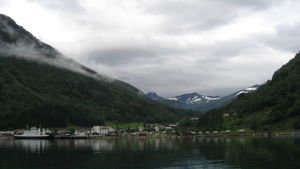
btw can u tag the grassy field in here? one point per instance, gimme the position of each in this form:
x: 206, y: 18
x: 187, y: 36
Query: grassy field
x: 124, y: 125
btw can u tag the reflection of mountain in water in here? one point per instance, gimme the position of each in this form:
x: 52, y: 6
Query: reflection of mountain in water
x: 128, y: 153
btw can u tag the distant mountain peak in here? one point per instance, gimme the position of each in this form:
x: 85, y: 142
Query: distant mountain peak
x: 200, y: 102
x: 194, y: 98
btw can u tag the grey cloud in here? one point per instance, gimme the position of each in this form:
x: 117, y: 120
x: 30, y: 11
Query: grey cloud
x: 3, y: 3
x: 196, y: 15
x: 215, y: 68
x: 180, y: 16
x: 286, y: 38
x: 208, y: 68
x: 29, y: 51
x: 66, y: 5
x: 170, y: 80
x: 163, y: 59
x: 120, y: 56
x: 255, y: 4
x: 224, y: 50
x: 133, y: 55
x: 212, y: 71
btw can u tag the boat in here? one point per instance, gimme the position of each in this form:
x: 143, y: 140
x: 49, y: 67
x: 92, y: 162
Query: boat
x: 33, y: 133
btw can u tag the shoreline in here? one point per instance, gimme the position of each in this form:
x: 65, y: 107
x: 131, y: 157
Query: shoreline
x: 263, y: 134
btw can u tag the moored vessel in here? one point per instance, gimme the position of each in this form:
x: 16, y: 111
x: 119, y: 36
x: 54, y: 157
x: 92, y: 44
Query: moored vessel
x: 33, y: 133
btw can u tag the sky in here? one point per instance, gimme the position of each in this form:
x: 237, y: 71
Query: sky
x: 171, y: 47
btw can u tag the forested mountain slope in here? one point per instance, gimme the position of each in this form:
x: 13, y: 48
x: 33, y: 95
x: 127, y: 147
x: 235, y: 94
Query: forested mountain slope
x: 273, y: 106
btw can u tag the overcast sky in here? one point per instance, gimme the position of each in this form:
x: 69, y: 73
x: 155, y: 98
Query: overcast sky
x: 172, y: 47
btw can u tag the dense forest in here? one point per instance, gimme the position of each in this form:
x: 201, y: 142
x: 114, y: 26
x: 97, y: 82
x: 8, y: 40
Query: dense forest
x: 32, y: 93
x: 274, y: 106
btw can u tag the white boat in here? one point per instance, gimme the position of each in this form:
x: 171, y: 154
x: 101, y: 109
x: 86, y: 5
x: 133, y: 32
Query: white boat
x: 33, y: 133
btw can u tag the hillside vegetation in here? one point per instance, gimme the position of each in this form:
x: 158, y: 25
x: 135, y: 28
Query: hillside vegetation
x: 274, y: 106
x: 34, y: 93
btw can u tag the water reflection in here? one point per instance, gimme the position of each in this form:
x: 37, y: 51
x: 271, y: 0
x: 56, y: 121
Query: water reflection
x: 208, y: 153
x: 135, y: 144
x: 33, y: 146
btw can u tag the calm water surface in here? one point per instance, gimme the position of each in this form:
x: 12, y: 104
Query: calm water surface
x: 165, y: 153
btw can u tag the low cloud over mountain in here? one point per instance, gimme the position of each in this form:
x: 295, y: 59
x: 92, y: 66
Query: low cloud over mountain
x: 172, y: 47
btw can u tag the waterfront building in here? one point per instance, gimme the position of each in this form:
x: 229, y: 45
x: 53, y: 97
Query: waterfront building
x: 102, y: 130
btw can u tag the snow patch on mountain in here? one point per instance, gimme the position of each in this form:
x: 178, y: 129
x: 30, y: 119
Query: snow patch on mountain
x: 200, y: 102
x: 210, y: 98
x: 247, y: 90
x: 194, y: 98
x: 173, y: 99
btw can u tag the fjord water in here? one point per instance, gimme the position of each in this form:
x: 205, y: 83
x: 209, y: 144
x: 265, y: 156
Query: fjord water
x: 166, y: 153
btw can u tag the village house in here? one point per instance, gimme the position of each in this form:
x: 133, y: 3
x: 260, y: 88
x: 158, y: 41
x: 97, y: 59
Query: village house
x: 63, y: 133
x: 6, y: 133
x: 194, y: 119
x: 226, y: 115
x: 102, y: 130
x: 168, y: 128
x: 241, y: 130
x: 173, y: 125
x: 156, y: 128
x: 227, y: 131
x: 81, y: 133
x: 141, y: 128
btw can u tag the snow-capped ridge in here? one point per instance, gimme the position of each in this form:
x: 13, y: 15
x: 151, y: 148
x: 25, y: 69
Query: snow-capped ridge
x: 196, y: 101
x: 247, y: 90
x: 173, y: 99
x: 194, y: 98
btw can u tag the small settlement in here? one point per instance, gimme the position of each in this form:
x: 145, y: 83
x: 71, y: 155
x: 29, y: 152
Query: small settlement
x: 96, y: 131
x: 156, y: 130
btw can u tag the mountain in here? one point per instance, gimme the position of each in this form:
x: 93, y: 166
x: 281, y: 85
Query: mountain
x: 275, y: 105
x: 196, y: 101
x: 194, y: 98
x: 40, y: 85
x: 153, y: 96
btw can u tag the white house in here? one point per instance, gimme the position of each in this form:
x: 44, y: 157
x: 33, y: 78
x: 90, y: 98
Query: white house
x: 173, y: 125
x: 194, y: 119
x: 156, y: 128
x: 141, y: 128
x: 241, y: 130
x: 102, y: 130
x: 168, y: 128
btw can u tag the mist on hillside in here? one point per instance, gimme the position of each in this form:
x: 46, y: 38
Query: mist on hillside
x: 19, y: 43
